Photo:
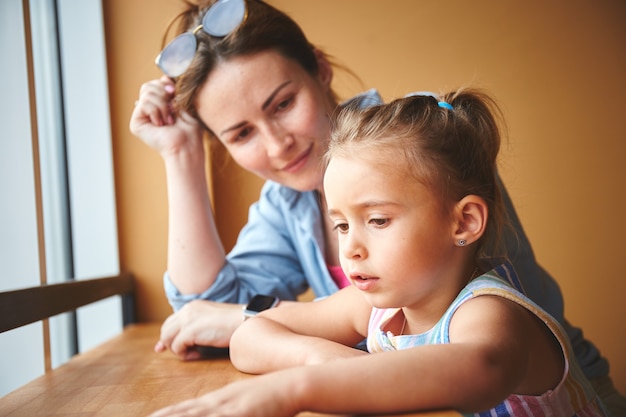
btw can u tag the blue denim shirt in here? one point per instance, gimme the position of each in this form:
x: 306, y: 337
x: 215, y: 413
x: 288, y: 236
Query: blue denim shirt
x: 280, y: 251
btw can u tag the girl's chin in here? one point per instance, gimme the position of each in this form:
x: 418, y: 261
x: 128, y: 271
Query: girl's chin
x: 377, y: 301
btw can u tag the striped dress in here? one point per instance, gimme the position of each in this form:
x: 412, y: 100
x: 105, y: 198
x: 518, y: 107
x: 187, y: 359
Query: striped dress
x: 573, y: 396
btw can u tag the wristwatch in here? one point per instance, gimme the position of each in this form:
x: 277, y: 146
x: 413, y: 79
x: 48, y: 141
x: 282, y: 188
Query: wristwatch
x: 259, y: 303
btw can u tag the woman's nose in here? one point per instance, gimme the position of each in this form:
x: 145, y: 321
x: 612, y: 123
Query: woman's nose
x: 277, y: 141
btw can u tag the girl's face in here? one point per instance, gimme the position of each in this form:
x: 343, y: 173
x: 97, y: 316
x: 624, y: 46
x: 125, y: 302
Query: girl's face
x: 396, y: 242
x: 271, y: 115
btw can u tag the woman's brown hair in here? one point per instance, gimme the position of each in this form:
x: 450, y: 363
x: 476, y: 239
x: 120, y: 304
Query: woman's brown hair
x: 265, y: 28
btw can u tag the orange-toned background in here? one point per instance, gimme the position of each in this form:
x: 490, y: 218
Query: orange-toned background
x: 558, y: 68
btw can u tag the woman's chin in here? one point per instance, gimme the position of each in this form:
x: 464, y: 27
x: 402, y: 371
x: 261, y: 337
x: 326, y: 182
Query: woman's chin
x: 303, y: 183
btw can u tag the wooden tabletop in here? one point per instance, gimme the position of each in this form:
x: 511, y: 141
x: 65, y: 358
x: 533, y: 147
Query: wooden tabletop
x: 124, y: 377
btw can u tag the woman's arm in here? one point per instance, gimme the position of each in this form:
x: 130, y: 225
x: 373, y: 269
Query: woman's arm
x: 195, y: 252
x: 302, y: 333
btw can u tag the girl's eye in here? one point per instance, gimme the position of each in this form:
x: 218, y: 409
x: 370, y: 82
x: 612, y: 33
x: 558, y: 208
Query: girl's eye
x: 379, y: 222
x: 341, y: 227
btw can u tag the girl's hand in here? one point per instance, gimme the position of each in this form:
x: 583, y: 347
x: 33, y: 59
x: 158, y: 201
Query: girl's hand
x: 155, y: 123
x: 261, y: 396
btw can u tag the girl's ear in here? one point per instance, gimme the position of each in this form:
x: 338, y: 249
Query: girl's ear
x: 325, y: 69
x: 470, y: 217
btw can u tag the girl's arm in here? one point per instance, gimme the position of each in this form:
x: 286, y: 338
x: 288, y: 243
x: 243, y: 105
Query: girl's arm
x: 302, y: 333
x: 484, y: 363
x: 424, y: 378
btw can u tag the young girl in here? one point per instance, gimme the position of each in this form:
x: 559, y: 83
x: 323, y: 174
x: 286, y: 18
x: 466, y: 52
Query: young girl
x: 411, y: 188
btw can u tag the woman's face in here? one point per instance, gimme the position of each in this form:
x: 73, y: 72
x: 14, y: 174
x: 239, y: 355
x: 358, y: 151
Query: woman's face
x: 272, y: 116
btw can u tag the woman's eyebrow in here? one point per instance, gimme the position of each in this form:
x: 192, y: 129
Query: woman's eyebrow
x: 265, y: 105
x: 267, y: 102
x: 237, y: 126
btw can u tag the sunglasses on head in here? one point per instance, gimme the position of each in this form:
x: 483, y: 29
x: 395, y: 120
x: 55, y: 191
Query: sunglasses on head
x: 220, y: 20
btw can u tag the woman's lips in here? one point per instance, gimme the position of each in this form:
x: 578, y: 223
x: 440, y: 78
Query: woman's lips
x: 298, y: 162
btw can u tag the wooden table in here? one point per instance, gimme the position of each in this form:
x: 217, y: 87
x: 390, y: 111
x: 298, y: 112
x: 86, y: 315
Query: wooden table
x: 124, y: 377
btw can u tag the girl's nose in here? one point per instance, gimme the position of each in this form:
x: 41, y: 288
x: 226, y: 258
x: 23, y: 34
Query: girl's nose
x: 352, y: 247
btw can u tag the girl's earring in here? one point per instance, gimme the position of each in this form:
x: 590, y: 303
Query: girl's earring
x: 462, y: 242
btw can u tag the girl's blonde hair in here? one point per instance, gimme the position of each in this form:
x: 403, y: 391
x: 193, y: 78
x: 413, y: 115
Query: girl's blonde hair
x: 449, y: 143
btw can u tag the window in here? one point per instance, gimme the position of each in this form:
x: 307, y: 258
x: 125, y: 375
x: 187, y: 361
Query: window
x: 56, y: 175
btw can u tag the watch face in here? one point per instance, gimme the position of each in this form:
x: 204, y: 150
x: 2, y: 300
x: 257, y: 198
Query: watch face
x: 262, y: 302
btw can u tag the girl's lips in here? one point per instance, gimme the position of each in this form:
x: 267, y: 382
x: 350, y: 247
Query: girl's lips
x: 363, y: 282
x: 298, y: 162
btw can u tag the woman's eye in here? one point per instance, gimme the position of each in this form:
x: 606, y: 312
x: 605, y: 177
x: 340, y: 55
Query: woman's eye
x: 242, y: 134
x: 341, y: 227
x: 282, y: 105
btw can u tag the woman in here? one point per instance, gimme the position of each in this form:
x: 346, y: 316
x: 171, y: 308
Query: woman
x: 264, y: 92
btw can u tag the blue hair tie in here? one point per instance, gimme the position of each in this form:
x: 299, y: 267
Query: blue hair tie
x: 442, y: 104
x: 445, y: 105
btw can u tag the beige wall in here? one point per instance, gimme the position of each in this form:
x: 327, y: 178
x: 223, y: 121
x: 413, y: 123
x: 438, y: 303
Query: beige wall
x: 558, y: 69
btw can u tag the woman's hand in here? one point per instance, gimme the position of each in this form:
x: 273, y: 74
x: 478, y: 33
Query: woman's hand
x: 156, y: 124
x: 199, y: 323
